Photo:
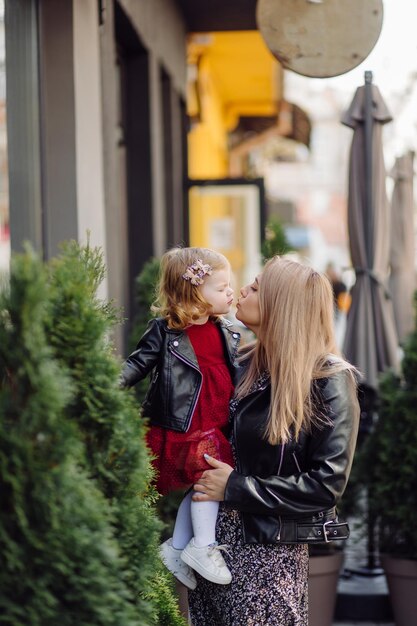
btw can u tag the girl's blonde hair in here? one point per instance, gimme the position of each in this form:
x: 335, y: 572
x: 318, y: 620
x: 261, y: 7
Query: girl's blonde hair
x: 296, y: 344
x: 179, y: 301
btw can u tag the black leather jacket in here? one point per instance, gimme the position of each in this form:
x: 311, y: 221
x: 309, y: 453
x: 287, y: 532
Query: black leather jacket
x: 286, y: 492
x: 176, y: 378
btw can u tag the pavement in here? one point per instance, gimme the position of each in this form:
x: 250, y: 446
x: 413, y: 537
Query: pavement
x: 363, y: 599
x: 363, y: 624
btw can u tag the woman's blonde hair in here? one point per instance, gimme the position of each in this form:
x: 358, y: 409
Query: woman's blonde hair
x: 179, y: 301
x: 296, y: 344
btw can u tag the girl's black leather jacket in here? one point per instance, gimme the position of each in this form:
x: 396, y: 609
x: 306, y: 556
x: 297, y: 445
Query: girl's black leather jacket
x: 287, y: 493
x: 176, y: 378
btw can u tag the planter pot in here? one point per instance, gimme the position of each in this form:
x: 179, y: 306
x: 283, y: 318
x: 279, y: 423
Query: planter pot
x: 322, y: 588
x: 402, y: 584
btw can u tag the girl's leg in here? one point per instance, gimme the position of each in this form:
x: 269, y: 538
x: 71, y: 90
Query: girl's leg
x: 183, y: 529
x: 171, y: 549
x: 202, y: 553
x: 204, y: 517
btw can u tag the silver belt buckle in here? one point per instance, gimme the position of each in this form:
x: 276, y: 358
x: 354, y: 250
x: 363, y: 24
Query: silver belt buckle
x: 325, y: 532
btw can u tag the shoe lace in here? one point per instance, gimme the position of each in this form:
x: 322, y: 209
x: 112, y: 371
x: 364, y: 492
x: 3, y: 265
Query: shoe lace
x: 214, y: 552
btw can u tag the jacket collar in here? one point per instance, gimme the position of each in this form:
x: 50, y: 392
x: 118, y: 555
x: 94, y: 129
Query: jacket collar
x: 221, y: 321
x: 180, y: 342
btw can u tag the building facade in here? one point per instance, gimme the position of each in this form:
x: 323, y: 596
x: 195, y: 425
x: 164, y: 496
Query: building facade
x: 96, y: 129
x: 101, y: 144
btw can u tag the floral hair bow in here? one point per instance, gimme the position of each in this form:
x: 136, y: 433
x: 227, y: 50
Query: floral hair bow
x: 196, y: 272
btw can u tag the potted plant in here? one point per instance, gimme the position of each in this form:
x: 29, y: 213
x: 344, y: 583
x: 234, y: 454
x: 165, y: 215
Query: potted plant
x: 388, y: 463
x: 324, y: 566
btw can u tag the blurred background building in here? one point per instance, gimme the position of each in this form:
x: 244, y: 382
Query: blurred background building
x: 152, y: 123
x: 119, y: 114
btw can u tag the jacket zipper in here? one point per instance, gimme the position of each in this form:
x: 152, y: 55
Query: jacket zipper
x: 184, y: 360
x: 236, y: 446
x: 296, y: 462
x: 279, y: 472
x: 279, y: 530
x: 281, y: 458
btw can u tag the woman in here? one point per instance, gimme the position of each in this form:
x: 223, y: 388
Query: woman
x: 295, y: 421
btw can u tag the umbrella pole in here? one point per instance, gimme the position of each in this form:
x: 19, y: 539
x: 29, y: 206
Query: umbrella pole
x: 369, y: 217
x: 372, y: 568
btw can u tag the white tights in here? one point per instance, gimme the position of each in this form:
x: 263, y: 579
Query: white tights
x: 195, y: 519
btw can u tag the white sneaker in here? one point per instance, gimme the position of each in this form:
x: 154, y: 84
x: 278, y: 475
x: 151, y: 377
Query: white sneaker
x: 208, y: 562
x: 171, y: 557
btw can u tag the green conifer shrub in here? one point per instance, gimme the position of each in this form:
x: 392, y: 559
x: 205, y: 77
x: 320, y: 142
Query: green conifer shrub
x: 109, y: 423
x: 146, y: 284
x: 275, y: 241
x: 60, y: 564
x: 145, y: 294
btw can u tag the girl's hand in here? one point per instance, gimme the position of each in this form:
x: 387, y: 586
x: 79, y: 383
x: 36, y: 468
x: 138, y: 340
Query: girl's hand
x: 212, y: 483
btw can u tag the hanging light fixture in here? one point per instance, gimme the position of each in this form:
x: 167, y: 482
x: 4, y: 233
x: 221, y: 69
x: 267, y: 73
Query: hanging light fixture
x: 327, y: 39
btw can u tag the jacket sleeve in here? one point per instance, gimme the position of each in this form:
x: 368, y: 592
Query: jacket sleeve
x: 330, y: 454
x: 138, y: 365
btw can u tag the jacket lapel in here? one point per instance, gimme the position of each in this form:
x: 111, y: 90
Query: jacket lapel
x: 181, y: 344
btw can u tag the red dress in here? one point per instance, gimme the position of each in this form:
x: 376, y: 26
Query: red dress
x: 179, y: 458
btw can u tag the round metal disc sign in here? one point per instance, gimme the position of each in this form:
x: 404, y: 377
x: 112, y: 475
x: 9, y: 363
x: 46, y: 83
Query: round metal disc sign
x: 320, y: 38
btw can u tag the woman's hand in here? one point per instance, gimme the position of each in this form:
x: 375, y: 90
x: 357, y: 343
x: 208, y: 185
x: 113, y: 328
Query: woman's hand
x: 212, y: 483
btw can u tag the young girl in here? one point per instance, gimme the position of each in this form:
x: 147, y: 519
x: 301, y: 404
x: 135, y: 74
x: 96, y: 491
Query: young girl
x: 190, y: 351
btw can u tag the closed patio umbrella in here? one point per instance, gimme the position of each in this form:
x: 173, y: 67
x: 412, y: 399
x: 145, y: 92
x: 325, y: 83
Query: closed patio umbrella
x: 402, y: 276
x: 370, y: 339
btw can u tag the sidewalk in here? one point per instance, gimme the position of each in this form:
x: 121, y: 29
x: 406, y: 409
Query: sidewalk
x: 361, y: 597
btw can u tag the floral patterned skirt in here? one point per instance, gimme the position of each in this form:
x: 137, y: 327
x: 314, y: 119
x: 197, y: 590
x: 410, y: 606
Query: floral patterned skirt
x: 269, y: 583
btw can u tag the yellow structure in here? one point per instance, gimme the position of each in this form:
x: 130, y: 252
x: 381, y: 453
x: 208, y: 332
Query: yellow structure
x: 231, y: 75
